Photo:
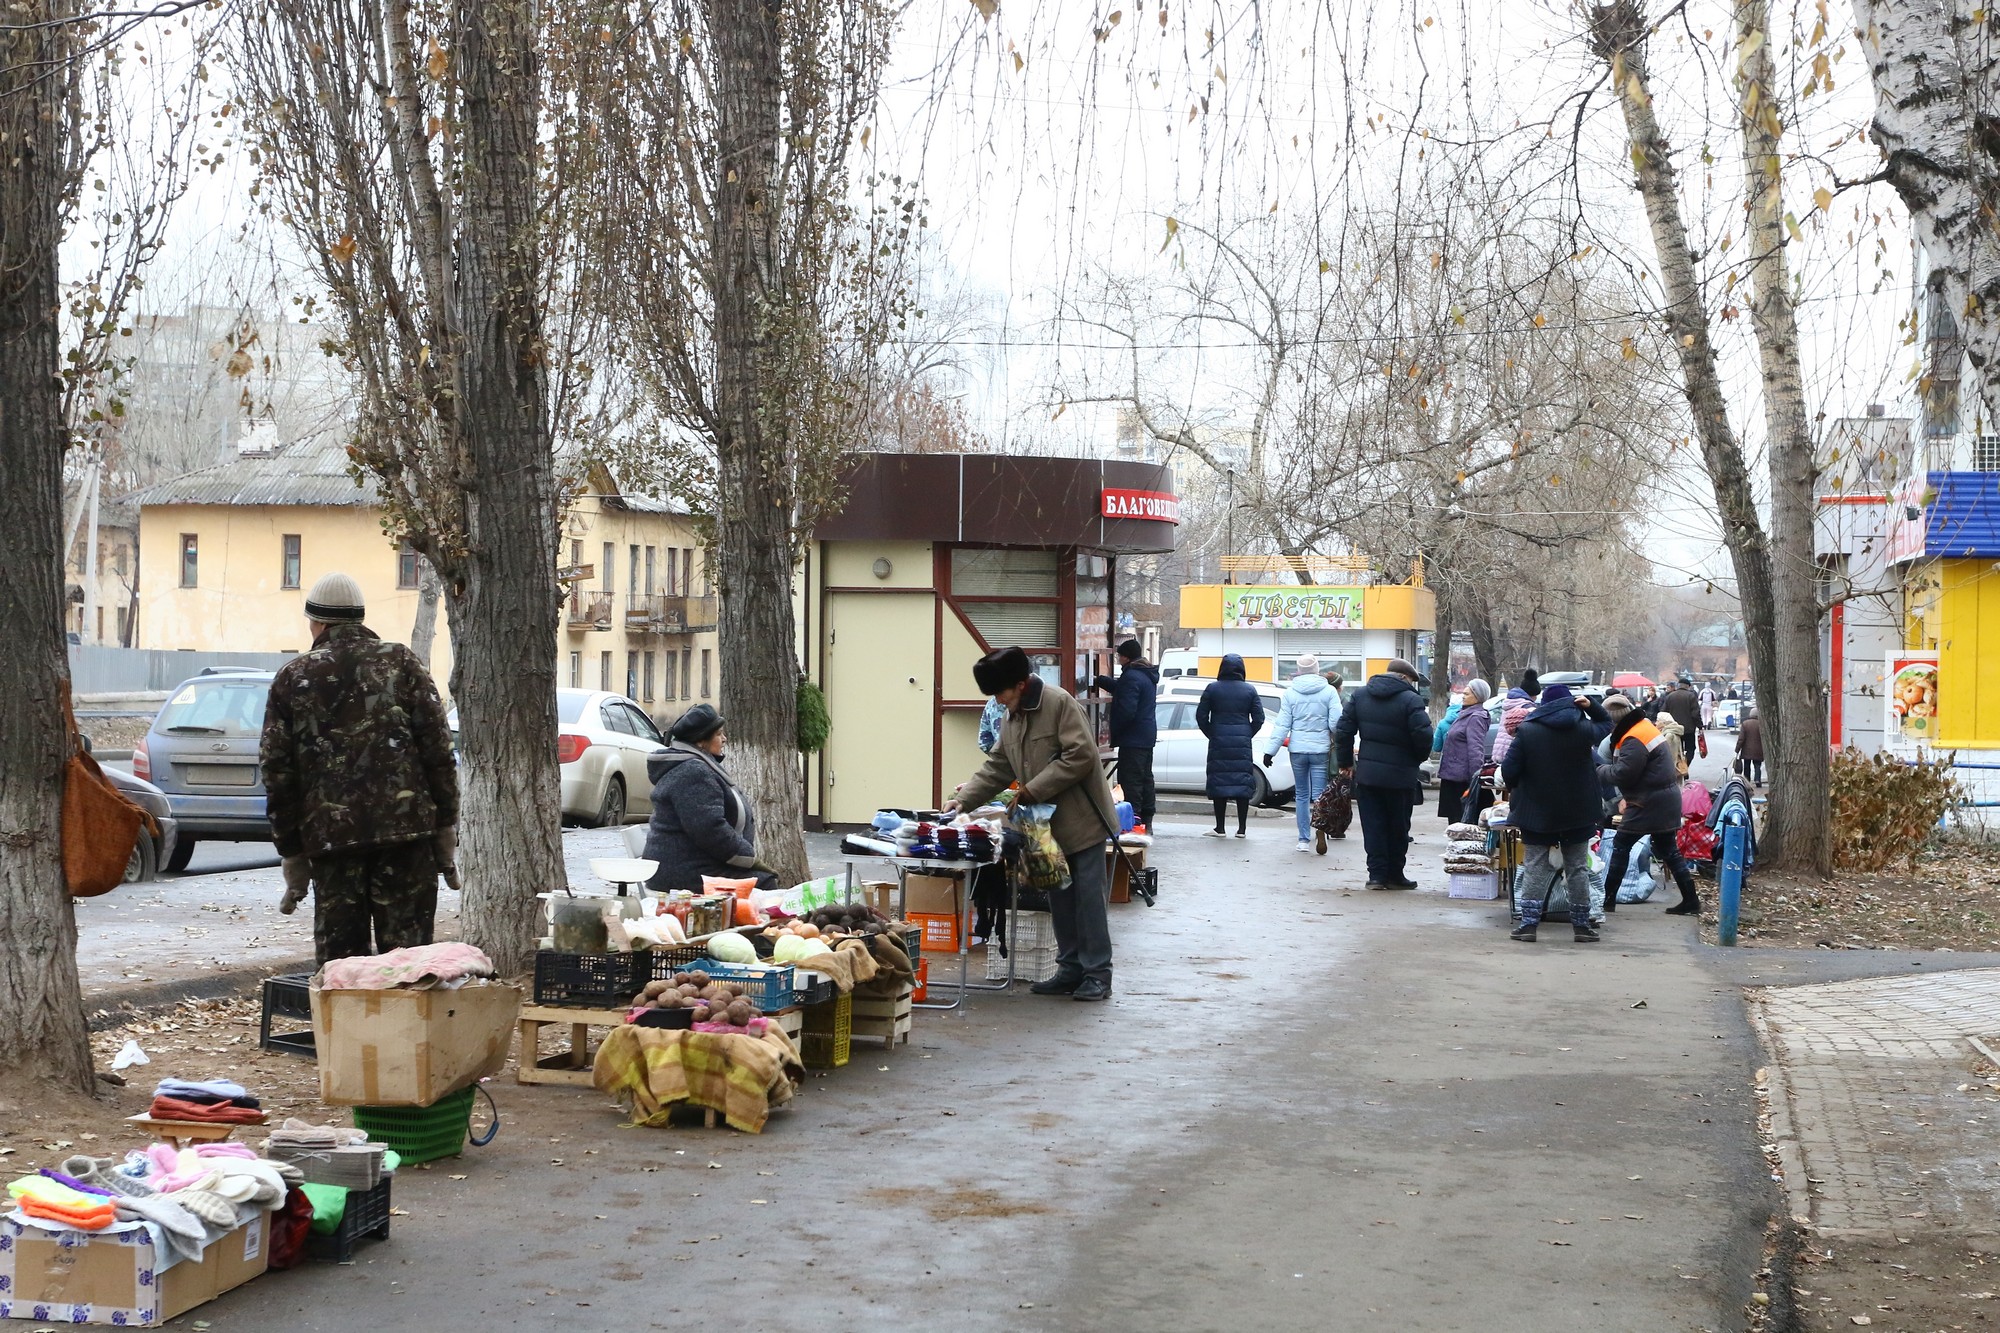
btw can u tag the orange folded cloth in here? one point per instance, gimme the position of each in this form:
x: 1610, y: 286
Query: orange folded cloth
x: 173, y: 1108
x: 83, y: 1219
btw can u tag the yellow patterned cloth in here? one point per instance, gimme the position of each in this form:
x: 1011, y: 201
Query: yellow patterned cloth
x: 740, y: 1076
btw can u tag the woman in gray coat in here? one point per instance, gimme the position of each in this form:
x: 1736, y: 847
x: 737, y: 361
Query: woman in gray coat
x: 701, y: 824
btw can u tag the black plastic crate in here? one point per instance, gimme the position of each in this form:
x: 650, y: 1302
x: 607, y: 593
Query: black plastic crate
x: 288, y: 997
x: 588, y: 980
x: 366, y: 1218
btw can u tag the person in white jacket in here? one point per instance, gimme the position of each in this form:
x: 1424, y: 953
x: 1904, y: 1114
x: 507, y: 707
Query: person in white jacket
x: 1305, y: 719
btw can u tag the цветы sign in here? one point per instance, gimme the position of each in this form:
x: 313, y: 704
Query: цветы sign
x: 1155, y: 505
x: 1291, y: 608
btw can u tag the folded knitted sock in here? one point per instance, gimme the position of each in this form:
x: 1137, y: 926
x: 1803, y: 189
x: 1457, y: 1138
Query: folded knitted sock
x: 46, y: 1190
x: 81, y: 1187
x: 103, y: 1172
x: 83, y: 1219
x: 173, y: 1108
x: 243, y: 1150
x: 207, y: 1203
x: 168, y: 1215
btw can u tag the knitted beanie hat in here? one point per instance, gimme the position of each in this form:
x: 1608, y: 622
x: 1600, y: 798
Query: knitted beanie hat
x: 334, y: 599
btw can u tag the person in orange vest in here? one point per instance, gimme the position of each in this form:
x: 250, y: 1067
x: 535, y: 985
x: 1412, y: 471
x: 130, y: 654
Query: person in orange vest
x: 1642, y: 767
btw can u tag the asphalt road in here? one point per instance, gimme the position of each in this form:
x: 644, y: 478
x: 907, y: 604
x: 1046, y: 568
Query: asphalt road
x: 1307, y: 1106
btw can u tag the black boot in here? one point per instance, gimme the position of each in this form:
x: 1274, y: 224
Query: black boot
x: 1690, y: 903
x: 1585, y: 934
x: 1525, y: 932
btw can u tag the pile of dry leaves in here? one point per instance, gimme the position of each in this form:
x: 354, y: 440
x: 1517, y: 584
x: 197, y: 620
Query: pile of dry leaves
x: 1952, y: 902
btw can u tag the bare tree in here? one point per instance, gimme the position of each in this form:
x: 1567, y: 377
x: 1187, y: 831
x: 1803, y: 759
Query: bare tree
x: 1798, y: 830
x: 1936, y: 69
x: 759, y: 298
x: 399, y: 139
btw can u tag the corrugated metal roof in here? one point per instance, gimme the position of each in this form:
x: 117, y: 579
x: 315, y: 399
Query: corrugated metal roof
x: 313, y: 473
x: 1964, y: 515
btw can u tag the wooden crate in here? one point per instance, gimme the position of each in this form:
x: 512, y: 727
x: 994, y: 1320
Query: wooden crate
x: 1120, y: 877
x: 886, y: 1018
x: 572, y: 1066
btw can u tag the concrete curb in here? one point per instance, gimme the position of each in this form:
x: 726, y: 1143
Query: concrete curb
x: 110, y: 1007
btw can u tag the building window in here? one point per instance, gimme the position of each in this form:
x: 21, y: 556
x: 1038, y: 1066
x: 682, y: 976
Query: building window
x: 631, y: 675
x: 667, y: 682
x: 576, y: 671
x: 1986, y: 453
x: 649, y: 570
x: 632, y: 574
x: 604, y: 672
x: 406, y: 566
x: 119, y: 555
x: 610, y: 567
x: 648, y: 695
x: 576, y: 582
x: 190, y: 560
x: 124, y: 627
x: 674, y: 588
x: 705, y: 691
x: 687, y: 568
x: 289, y: 572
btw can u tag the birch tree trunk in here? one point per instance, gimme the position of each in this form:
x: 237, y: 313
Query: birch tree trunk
x: 1797, y: 831
x: 755, y: 472
x: 1936, y: 70
x: 505, y: 603
x: 44, y: 1038
x: 1618, y: 34
x: 423, y: 630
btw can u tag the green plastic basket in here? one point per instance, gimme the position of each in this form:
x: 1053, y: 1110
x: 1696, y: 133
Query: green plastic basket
x: 420, y: 1133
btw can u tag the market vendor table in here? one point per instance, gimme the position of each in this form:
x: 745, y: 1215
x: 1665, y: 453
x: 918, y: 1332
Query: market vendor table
x: 960, y: 873
x: 573, y: 1066
x: 183, y: 1133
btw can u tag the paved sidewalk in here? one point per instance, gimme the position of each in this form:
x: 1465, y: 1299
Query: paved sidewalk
x: 1879, y: 1121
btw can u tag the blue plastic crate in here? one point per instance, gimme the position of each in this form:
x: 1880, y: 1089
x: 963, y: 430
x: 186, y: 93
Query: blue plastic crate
x: 769, y: 986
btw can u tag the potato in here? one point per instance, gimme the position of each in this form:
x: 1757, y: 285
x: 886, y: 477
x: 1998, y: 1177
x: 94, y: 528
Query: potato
x: 740, y: 1013
x: 639, y: 1000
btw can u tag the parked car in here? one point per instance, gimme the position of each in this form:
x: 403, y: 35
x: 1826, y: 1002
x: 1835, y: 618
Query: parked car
x: 201, y: 755
x: 602, y: 742
x: 152, y: 851
x: 1180, y: 755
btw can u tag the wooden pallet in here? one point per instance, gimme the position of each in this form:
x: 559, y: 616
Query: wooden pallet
x: 572, y: 1066
x: 887, y: 1019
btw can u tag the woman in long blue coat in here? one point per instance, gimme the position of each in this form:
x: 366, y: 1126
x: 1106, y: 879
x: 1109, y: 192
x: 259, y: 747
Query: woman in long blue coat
x: 1230, y: 714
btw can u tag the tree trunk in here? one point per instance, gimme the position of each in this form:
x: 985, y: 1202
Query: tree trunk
x: 1484, y: 646
x: 756, y: 483
x: 1797, y: 831
x: 1447, y: 625
x: 44, y: 1037
x: 1936, y: 76
x: 423, y: 630
x: 505, y: 600
x: 1618, y: 33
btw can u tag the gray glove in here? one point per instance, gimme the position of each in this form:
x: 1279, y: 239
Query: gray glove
x: 298, y: 883
x: 446, y: 842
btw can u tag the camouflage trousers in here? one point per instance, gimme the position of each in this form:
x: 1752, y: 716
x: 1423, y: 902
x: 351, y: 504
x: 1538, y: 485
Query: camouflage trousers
x: 390, y: 892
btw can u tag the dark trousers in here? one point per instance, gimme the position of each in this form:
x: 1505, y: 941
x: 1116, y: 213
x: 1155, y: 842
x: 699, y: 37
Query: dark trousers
x: 1135, y: 775
x: 389, y: 892
x: 1664, y: 847
x: 1080, y: 914
x: 1689, y: 739
x: 1385, y: 830
x: 1753, y: 769
x: 1242, y: 812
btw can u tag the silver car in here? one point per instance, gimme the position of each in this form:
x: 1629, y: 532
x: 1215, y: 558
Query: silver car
x: 201, y: 752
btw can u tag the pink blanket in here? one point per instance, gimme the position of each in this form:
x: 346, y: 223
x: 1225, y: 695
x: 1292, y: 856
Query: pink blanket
x: 420, y: 967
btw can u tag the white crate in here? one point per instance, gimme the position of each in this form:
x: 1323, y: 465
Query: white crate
x: 1483, y: 886
x: 1032, y: 942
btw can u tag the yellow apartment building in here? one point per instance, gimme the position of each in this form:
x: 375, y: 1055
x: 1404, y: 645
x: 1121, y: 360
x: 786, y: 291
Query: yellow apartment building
x: 226, y: 554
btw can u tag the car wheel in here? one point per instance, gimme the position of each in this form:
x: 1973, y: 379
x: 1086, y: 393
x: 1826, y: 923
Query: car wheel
x: 1262, y: 796
x: 183, y: 853
x: 144, y: 863
x: 611, y: 813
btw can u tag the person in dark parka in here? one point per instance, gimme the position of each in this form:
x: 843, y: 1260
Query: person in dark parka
x: 1230, y: 714
x: 1383, y: 734
x: 701, y: 824
x: 1649, y: 785
x: 1553, y: 799
x: 1135, y: 692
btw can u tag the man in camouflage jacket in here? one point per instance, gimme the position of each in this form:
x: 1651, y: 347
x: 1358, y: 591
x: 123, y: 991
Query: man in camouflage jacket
x: 360, y: 781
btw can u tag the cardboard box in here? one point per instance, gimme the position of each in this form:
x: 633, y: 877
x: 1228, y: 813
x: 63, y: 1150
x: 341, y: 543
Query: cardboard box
x: 110, y: 1277
x: 932, y: 895
x: 410, y: 1047
x: 1118, y: 870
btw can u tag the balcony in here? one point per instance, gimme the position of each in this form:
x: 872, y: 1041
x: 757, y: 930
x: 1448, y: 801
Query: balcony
x: 590, y: 613
x: 661, y: 613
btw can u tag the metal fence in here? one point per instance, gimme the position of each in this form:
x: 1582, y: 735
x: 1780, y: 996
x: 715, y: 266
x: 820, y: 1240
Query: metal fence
x: 97, y: 669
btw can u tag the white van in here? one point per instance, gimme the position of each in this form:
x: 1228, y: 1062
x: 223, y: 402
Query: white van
x: 1177, y: 662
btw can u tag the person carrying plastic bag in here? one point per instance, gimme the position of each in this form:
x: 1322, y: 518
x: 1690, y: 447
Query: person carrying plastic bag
x: 1048, y: 749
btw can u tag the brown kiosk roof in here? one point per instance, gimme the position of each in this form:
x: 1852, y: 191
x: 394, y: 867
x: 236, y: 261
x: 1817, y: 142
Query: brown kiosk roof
x: 998, y: 501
